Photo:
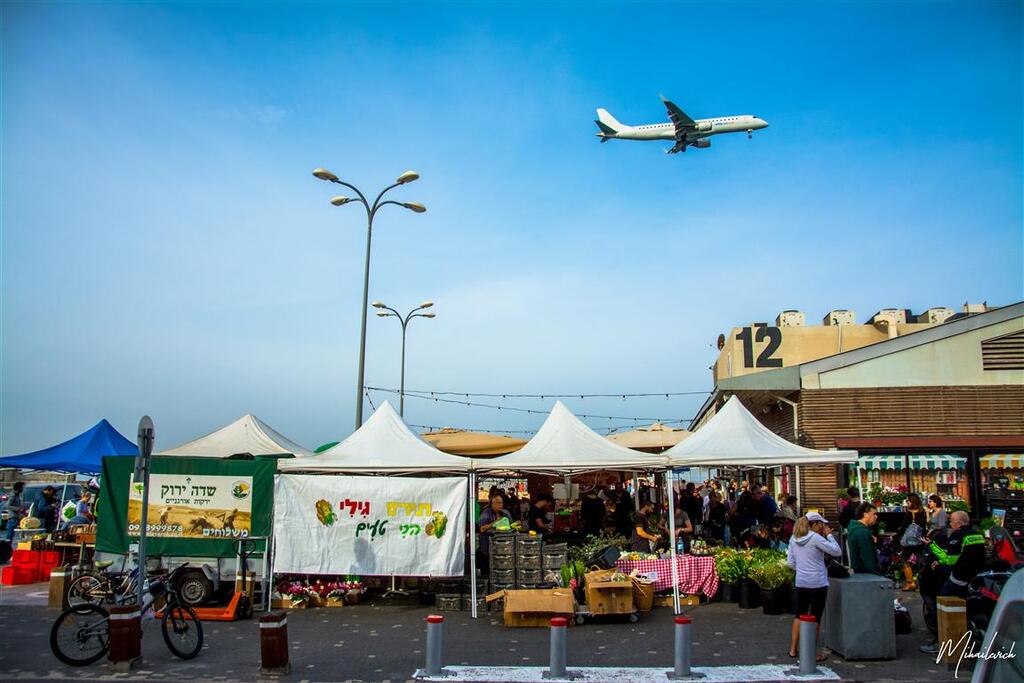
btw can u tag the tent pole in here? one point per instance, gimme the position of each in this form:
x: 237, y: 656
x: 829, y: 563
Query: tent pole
x: 799, y: 494
x: 471, y: 516
x: 670, y: 488
x: 63, y: 497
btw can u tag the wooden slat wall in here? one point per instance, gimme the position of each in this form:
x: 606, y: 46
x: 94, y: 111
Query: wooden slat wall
x: 910, y: 411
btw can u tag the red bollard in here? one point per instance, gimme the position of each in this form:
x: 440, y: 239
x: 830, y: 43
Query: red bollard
x: 274, y: 644
x: 125, y: 637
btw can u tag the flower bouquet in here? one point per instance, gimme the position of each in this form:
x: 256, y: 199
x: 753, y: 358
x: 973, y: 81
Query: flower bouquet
x: 353, y: 588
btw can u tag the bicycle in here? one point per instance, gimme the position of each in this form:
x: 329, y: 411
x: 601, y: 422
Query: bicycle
x: 81, y: 634
x: 103, y: 587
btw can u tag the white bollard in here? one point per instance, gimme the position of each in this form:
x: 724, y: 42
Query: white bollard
x: 556, y: 667
x: 435, y: 624
x: 683, y: 650
x: 808, y: 645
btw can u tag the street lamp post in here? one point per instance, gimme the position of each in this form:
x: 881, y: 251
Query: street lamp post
x: 404, y: 320
x: 371, y: 211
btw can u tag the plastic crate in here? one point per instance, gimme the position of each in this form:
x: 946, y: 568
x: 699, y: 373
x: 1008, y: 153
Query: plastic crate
x: 49, y: 558
x: 25, y: 558
x: 18, y: 575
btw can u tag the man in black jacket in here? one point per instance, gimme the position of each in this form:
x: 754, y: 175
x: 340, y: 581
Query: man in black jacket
x: 963, y: 557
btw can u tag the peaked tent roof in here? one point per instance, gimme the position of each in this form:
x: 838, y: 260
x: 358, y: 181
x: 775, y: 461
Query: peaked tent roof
x: 247, y: 434
x: 565, y: 444
x: 735, y: 437
x: 384, y: 444
x: 84, y: 453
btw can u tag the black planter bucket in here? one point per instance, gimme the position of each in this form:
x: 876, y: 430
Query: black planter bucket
x: 774, y: 600
x: 792, y: 608
x: 750, y: 595
x: 729, y: 592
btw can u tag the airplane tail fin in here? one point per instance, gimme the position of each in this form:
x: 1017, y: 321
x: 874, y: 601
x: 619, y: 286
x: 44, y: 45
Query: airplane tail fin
x: 608, y: 125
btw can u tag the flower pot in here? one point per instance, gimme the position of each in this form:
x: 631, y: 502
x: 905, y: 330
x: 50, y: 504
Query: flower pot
x: 750, y: 595
x: 353, y: 597
x: 730, y: 592
x: 774, y: 600
x: 334, y: 602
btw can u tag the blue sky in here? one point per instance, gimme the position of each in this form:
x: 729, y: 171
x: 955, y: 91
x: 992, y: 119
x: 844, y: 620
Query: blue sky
x: 165, y: 249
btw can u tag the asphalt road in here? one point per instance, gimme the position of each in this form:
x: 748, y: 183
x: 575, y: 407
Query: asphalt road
x: 383, y: 641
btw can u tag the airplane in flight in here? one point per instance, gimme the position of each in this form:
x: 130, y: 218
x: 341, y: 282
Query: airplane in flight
x: 682, y: 129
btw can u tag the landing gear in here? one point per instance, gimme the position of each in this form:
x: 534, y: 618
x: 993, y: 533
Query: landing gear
x: 750, y: 134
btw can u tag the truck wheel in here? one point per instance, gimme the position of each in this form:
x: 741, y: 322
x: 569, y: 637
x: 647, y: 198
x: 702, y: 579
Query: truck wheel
x: 194, y: 588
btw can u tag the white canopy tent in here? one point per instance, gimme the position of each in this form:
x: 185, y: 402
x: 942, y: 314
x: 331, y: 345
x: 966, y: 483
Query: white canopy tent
x: 735, y: 437
x: 564, y: 444
x: 383, y: 445
x: 247, y: 434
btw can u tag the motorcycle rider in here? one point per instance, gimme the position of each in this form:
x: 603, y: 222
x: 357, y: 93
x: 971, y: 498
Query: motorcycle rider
x: 963, y: 557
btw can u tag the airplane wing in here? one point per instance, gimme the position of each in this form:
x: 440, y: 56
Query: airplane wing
x: 683, y: 123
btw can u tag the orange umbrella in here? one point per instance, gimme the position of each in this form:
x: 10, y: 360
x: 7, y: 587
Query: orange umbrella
x: 475, y: 444
x: 655, y: 438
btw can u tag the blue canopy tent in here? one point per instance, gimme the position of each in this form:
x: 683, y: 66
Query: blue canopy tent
x: 82, y: 454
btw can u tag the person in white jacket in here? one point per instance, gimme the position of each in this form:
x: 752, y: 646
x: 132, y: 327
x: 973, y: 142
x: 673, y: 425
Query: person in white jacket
x: 812, y: 540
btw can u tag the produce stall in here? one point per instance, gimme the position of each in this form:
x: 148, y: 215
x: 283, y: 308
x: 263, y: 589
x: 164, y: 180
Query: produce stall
x: 696, y: 574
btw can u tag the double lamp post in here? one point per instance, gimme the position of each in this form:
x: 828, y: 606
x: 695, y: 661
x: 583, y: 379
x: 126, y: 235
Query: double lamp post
x: 371, y: 212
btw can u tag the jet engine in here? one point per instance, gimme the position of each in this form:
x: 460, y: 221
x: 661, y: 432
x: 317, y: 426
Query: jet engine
x: 702, y: 143
x: 704, y: 126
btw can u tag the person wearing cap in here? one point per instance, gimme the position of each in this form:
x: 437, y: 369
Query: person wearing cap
x: 812, y: 540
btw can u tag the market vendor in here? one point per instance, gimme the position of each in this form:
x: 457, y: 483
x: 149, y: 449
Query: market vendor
x: 537, y: 517
x: 488, y: 518
x: 643, y: 539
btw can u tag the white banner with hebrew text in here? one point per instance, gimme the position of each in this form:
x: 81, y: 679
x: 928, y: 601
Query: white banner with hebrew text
x: 369, y: 525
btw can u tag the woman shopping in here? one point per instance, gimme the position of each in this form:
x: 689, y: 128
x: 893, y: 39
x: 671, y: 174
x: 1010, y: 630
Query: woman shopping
x: 812, y: 540
x: 915, y: 523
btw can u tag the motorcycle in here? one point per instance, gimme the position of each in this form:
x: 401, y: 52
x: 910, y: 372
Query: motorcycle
x: 983, y: 593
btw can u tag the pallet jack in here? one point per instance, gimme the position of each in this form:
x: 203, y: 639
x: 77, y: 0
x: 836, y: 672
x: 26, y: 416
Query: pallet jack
x: 240, y: 605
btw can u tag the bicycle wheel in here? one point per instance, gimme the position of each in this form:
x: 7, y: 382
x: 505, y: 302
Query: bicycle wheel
x: 183, y: 632
x: 81, y: 635
x: 86, y: 590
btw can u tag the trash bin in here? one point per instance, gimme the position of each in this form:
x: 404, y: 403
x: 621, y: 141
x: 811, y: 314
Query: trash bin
x: 859, y: 621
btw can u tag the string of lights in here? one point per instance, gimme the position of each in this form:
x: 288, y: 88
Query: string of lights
x: 468, y: 394
x: 529, y: 411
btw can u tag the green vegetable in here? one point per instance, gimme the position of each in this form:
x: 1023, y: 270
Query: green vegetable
x: 771, y: 575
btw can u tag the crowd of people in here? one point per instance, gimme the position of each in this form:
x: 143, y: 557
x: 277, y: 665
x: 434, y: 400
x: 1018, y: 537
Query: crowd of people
x: 49, y: 509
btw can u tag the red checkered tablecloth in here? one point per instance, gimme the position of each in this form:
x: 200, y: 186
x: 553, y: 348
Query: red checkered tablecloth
x: 696, y: 573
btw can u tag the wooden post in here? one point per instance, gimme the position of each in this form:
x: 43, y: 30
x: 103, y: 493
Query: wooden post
x: 125, y: 637
x: 952, y: 613
x: 274, y: 644
x: 58, y: 588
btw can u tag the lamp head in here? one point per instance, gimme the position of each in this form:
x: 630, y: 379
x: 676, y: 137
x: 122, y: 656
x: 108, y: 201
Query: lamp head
x: 429, y: 315
x: 414, y: 206
x: 383, y: 314
x: 339, y: 200
x: 407, y: 177
x: 378, y: 304
x: 324, y: 174
x: 427, y: 304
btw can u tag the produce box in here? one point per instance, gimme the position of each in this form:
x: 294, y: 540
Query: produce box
x: 606, y: 596
x: 684, y: 600
x: 534, y: 608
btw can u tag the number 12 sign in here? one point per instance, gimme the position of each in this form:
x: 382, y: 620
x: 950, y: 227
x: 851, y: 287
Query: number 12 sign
x: 765, y: 359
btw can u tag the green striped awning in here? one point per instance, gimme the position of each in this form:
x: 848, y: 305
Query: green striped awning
x: 917, y: 462
x: 998, y: 461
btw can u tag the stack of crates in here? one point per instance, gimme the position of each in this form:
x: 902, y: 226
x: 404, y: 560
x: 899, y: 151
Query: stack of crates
x: 528, y: 561
x: 29, y: 566
x: 554, y: 556
x: 503, y: 562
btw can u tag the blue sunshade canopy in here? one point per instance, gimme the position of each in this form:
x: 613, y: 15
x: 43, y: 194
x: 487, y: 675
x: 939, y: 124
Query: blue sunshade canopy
x: 83, y: 453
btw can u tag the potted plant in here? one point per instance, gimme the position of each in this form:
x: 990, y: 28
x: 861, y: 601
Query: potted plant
x: 773, y: 578
x: 731, y: 567
x: 354, y: 589
x: 297, y: 595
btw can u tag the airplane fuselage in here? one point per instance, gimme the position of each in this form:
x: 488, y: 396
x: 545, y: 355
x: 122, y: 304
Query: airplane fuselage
x: 704, y: 128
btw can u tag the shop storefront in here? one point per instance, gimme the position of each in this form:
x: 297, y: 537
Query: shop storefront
x: 943, y: 474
